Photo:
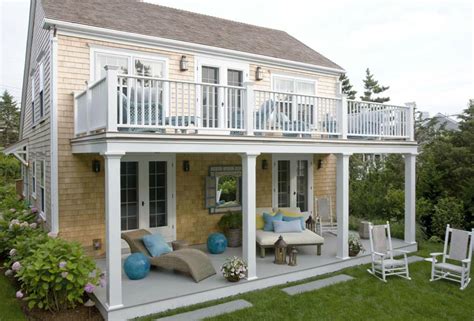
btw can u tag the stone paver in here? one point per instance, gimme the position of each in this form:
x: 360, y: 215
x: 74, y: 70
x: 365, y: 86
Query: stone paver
x: 315, y: 285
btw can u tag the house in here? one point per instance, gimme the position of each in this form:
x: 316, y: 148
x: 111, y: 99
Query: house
x: 132, y: 115
x: 441, y: 121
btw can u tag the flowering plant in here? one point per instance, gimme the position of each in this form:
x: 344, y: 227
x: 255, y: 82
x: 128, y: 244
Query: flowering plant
x: 355, y: 245
x: 234, y: 269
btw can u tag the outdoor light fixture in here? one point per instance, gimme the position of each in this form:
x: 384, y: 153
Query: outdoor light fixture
x: 320, y: 163
x: 96, y: 166
x: 186, y: 166
x: 259, y: 73
x: 183, y: 63
x: 280, y: 251
x: 292, y: 256
x: 96, y: 244
x: 264, y: 164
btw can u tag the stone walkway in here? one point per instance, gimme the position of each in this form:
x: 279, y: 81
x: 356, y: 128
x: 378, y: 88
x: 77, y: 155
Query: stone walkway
x: 316, y: 285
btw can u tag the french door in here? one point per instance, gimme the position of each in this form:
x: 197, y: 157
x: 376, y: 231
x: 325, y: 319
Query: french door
x: 293, y: 182
x: 147, y: 198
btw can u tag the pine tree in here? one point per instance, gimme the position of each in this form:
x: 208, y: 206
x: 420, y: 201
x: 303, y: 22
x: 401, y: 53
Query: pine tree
x: 347, y: 87
x: 9, y: 119
x: 372, y: 87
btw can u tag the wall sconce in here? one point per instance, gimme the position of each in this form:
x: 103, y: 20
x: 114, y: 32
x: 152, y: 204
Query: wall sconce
x: 96, y: 166
x: 183, y: 63
x: 186, y: 166
x: 320, y: 163
x: 259, y: 73
x: 264, y: 164
x: 96, y: 244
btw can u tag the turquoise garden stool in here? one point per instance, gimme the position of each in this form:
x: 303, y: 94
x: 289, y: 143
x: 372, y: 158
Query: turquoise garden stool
x: 216, y: 243
x: 136, y: 266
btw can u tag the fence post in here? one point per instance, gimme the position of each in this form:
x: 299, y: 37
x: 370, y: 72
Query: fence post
x: 343, y: 118
x: 411, y: 121
x: 249, y: 107
x: 111, y: 114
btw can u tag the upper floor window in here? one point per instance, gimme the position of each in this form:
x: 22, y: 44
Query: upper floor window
x: 294, y: 85
x: 33, y: 180
x: 41, y: 90
x: 33, y: 99
x: 104, y: 59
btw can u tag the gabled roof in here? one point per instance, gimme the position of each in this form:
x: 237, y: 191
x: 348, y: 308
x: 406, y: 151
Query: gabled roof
x: 143, y: 18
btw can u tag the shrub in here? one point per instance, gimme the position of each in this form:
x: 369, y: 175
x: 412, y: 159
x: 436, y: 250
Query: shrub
x: 448, y: 210
x: 25, y: 245
x: 56, y: 275
x: 15, y: 224
x: 230, y: 220
x: 9, y: 168
x: 424, y: 213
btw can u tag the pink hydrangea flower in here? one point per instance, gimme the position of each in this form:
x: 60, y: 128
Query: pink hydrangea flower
x: 19, y: 294
x: 52, y: 235
x: 12, y: 252
x: 33, y: 225
x: 102, y: 282
x: 89, y: 288
x: 13, y: 210
x: 62, y: 264
x: 24, y: 224
x: 16, y: 266
x: 8, y: 272
x: 64, y: 274
x: 34, y: 210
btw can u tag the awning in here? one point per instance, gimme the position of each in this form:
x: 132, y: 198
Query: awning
x: 19, y: 150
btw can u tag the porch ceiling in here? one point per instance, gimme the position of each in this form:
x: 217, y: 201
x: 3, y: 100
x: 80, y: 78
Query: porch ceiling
x: 158, y: 143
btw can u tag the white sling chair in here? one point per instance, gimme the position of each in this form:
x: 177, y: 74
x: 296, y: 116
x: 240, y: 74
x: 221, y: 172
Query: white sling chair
x: 324, y: 219
x: 460, y: 249
x: 383, y: 263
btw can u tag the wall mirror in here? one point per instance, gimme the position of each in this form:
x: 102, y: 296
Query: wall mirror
x: 224, y: 189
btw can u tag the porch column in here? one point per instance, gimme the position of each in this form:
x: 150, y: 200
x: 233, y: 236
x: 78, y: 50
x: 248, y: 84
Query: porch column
x: 410, y: 198
x: 342, y: 205
x: 249, y: 204
x: 112, y: 226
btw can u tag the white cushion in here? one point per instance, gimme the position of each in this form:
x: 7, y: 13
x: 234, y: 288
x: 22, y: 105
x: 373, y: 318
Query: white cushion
x: 449, y: 267
x: 287, y: 227
x: 389, y: 263
x: 266, y: 238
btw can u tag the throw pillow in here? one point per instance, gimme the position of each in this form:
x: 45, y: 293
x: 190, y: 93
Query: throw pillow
x: 156, y: 245
x: 287, y: 227
x: 295, y: 218
x: 260, y: 222
x: 269, y: 218
x: 291, y: 212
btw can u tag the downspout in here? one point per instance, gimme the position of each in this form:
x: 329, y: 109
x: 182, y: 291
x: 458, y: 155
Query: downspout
x: 53, y: 112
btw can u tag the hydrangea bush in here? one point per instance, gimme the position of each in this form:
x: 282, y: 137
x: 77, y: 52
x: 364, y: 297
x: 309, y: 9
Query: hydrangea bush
x: 234, y: 269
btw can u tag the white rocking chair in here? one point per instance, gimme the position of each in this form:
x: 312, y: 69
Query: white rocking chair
x: 383, y: 263
x: 324, y: 219
x: 460, y: 249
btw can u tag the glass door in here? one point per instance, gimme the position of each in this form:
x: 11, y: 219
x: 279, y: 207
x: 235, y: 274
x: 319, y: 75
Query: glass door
x: 158, y: 196
x: 210, y: 96
x: 292, y: 182
x: 129, y: 195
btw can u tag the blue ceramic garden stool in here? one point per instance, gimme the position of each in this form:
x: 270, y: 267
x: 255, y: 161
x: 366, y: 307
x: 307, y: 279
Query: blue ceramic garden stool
x: 216, y: 243
x: 136, y: 266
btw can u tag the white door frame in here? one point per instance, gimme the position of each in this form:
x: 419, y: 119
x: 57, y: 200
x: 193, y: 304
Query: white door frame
x: 168, y: 232
x: 292, y: 158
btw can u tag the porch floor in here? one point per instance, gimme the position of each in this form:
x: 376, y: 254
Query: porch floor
x: 162, y: 285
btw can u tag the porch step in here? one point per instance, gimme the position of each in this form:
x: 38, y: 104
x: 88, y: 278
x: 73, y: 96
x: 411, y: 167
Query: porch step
x: 316, y: 285
x: 208, y: 312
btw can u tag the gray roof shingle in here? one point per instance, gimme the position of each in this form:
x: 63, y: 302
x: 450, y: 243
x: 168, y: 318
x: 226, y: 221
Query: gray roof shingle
x: 164, y: 22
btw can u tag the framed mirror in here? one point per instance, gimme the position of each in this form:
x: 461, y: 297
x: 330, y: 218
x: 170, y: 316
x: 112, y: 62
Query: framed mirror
x: 224, y: 189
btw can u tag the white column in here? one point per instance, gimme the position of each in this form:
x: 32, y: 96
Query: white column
x: 249, y: 204
x: 410, y: 198
x: 112, y: 226
x: 249, y: 108
x: 342, y: 205
x: 111, y: 121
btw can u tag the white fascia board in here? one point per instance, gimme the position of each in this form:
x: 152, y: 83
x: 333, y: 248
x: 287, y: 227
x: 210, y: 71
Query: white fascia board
x: 70, y: 28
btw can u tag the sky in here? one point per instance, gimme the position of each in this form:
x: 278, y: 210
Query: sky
x: 422, y: 49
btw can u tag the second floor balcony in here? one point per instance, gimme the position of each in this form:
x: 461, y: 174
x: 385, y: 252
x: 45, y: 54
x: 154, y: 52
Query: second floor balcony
x: 139, y: 104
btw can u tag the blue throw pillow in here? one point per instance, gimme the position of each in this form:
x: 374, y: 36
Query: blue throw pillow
x: 268, y: 218
x: 156, y: 245
x: 290, y: 218
x: 287, y: 227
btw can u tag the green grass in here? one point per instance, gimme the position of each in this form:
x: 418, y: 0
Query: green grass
x: 365, y: 298
x: 10, y: 308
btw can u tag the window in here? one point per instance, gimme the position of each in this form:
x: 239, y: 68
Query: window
x: 42, y: 171
x: 33, y: 182
x: 129, y: 195
x: 148, y: 68
x: 41, y: 87
x: 103, y: 59
x: 33, y: 100
x: 24, y: 176
x: 294, y: 85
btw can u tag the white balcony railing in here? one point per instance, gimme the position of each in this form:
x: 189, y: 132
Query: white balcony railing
x: 144, y: 104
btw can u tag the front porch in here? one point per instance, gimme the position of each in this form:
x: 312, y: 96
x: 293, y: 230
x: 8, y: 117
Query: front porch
x: 163, y: 290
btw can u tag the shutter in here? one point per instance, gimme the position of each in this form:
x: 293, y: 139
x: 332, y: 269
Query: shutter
x: 211, y: 187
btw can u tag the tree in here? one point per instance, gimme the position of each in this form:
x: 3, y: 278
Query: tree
x: 9, y: 119
x: 347, y: 87
x: 372, y: 87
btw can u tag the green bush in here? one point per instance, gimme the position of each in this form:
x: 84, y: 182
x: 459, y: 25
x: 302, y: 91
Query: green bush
x: 15, y: 224
x: 23, y: 246
x: 230, y: 220
x: 9, y: 168
x: 56, y: 275
x: 448, y: 210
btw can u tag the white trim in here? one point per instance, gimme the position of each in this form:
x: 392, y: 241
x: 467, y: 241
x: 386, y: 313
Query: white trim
x: 75, y: 29
x: 54, y: 202
x: 32, y: 103
x: 33, y: 179
x: 42, y: 188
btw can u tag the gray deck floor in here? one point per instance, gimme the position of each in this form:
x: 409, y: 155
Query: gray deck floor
x: 161, y: 284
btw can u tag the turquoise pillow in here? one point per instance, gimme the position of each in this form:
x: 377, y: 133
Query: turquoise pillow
x: 294, y: 218
x: 268, y: 218
x: 156, y: 245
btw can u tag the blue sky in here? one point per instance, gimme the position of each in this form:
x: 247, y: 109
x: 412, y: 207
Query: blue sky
x: 422, y: 49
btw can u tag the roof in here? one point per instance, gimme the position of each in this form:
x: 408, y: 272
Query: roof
x: 148, y: 19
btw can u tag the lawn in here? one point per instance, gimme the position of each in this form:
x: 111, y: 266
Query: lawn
x: 365, y: 298
x: 10, y: 308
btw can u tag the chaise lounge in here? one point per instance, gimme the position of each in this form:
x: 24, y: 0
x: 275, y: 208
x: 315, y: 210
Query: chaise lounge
x: 192, y: 262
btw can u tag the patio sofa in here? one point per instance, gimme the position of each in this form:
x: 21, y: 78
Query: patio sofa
x: 267, y: 239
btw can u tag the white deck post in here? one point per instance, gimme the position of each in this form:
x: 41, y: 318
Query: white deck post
x: 111, y: 121
x: 342, y: 112
x: 410, y: 198
x: 342, y: 205
x: 249, y: 167
x: 112, y: 226
x: 249, y: 108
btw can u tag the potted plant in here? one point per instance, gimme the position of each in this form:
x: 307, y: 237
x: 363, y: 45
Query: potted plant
x: 355, y: 245
x: 231, y: 225
x: 234, y: 269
